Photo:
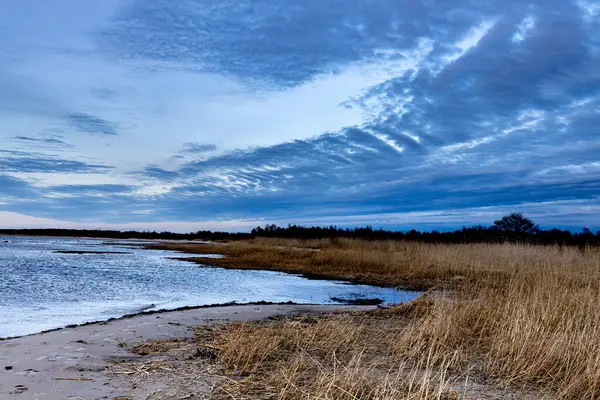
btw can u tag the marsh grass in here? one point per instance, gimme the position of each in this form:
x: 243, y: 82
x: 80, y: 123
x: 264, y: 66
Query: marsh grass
x: 337, y: 357
x: 508, y: 318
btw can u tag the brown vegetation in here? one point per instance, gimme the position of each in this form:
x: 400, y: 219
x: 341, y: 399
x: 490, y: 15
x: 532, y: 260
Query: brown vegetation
x: 504, y: 320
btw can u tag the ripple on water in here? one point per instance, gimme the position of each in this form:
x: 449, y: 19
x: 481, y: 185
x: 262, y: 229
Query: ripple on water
x: 45, y: 285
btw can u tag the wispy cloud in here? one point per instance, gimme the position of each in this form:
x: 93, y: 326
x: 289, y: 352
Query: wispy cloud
x: 26, y: 162
x: 49, y: 141
x: 197, y: 148
x: 90, y: 124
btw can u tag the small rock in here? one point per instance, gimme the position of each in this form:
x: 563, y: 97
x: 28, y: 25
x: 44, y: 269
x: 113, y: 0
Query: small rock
x: 8, y: 367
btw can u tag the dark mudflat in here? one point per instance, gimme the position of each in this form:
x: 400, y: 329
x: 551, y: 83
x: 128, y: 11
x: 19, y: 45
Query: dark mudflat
x: 358, y: 302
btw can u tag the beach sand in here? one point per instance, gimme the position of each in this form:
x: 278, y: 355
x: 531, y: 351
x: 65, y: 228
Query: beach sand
x: 71, y: 363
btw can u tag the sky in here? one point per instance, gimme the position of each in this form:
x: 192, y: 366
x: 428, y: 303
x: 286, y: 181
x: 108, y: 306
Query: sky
x: 228, y: 114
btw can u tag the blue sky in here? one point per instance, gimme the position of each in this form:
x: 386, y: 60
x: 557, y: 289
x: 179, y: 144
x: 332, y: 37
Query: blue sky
x: 222, y: 114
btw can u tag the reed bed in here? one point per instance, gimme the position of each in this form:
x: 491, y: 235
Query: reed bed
x: 501, y: 321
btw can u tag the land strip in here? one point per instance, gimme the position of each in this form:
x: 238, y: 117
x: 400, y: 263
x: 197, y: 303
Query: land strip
x: 499, y: 321
x: 94, y: 361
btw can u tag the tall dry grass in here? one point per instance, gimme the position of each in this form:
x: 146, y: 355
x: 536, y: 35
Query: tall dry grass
x: 511, y: 316
x: 392, y: 263
x: 326, y: 358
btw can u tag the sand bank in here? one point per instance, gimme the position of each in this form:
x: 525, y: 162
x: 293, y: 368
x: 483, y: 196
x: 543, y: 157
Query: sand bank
x: 70, y: 363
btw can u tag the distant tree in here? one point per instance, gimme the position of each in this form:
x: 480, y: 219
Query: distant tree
x: 516, y: 223
x: 271, y: 228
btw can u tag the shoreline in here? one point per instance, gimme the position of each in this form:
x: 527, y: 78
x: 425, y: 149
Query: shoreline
x: 73, y: 362
x: 340, y: 305
x: 165, y: 311
x: 150, y: 241
x: 193, y: 258
x: 235, y: 261
x: 207, y: 263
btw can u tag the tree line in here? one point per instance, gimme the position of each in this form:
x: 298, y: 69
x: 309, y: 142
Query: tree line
x: 114, y: 234
x: 514, y: 227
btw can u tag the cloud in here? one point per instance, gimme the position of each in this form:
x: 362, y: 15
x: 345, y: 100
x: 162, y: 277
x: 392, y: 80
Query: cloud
x: 474, y: 130
x: 196, y: 148
x: 14, y: 188
x: 43, y: 141
x: 23, y: 162
x: 90, y: 124
x: 154, y: 172
x: 280, y: 45
x: 89, y: 190
x: 332, y: 111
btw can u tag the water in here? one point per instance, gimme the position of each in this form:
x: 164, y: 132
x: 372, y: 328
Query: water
x: 41, y: 289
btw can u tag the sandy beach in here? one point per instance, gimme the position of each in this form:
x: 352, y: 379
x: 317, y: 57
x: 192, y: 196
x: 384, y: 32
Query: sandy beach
x: 71, y: 363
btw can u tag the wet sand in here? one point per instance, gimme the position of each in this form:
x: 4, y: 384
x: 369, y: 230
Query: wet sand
x: 70, y: 363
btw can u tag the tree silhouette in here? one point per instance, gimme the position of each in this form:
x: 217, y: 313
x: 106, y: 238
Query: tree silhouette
x: 516, y: 223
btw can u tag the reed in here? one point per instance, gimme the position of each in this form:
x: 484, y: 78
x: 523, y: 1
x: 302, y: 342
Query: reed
x: 501, y: 319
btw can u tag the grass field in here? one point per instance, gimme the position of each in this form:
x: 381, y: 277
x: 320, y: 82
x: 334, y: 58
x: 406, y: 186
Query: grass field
x: 498, y: 320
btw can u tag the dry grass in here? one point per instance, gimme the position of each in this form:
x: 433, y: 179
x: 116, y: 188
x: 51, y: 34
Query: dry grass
x: 408, y: 264
x: 508, y: 317
x: 179, y: 369
x: 338, y: 357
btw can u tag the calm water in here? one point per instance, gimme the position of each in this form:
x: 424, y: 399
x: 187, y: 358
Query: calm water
x: 41, y: 289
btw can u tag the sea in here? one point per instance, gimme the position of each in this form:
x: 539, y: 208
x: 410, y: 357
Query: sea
x: 48, y: 283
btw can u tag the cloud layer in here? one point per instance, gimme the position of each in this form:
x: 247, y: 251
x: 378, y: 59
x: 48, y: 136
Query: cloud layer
x: 315, y: 112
